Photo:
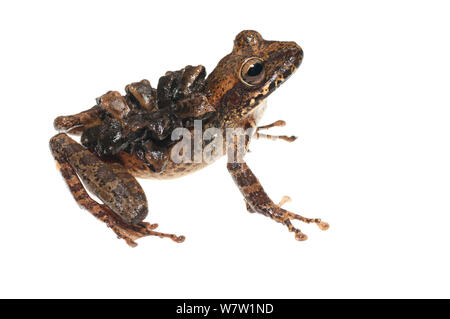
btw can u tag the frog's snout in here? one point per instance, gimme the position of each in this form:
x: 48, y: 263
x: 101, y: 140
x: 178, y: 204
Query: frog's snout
x: 296, y: 53
x: 291, y: 55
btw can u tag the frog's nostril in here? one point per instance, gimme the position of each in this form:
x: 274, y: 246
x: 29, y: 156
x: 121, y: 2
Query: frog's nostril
x: 297, y: 54
x: 297, y: 49
x: 294, y: 52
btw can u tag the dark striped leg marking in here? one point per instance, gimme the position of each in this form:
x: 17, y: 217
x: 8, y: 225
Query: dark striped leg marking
x: 65, y: 151
x: 258, y: 201
x: 273, y: 137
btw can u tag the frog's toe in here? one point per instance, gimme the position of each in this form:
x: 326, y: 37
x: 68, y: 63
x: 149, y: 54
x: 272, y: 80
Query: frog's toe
x: 278, y: 123
x: 150, y: 226
x: 287, y: 216
x: 133, y: 232
x: 289, y: 139
x: 129, y: 232
x: 249, y: 208
x: 298, y: 233
x: 284, y: 200
x: 286, y: 138
x: 322, y: 225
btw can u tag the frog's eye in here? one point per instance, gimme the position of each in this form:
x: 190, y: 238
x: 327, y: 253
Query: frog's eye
x: 252, y: 71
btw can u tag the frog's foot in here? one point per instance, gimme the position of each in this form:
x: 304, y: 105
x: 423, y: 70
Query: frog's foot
x: 258, y: 201
x: 287, y: 216
x: 284, y: 216
x: 110, y: 183
x: 273, y: 137
x: 128, y: 232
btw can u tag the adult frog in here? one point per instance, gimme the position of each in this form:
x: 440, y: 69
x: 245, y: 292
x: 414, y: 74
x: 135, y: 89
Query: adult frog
x: 131, y: 135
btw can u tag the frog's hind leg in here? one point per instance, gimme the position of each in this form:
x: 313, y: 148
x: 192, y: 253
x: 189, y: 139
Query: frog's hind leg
x: 273, y: 137
x: 125, y: 204
x: 258, y: 201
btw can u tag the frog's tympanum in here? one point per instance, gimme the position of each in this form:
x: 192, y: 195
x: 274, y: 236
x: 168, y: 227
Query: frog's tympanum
x: 129, y: 136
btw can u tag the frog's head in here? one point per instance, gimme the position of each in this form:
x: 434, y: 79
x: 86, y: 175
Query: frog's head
x: 250, y: 73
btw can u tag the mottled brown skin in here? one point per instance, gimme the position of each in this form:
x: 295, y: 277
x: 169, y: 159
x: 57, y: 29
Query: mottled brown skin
x: 125, y: 205
x: 128, y: 136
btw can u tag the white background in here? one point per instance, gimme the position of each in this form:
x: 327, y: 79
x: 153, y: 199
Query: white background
x: 370, y: 105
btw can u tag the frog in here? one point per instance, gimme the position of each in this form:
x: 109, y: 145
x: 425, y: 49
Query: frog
x: 130, y: 136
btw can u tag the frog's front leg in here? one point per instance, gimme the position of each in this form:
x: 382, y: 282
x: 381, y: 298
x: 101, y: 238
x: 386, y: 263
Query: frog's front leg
x: 125, y: 204
x: 258, y: 201
x: 273, y: 137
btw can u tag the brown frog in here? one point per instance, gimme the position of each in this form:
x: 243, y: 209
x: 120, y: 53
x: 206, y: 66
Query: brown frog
x: 123, y: 137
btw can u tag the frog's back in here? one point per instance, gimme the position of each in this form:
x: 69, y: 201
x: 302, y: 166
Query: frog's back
x: 136, y: 129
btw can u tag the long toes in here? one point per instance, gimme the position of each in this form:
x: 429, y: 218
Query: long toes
x: 147, y: 230
x: 289, y: 139
x: 148, y: 225
x: 321, y: 224
x: 298, y: 233
x: 274, y: 124
x: 280, y: 123
x: 284, y: 200
x: 130, y: 233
